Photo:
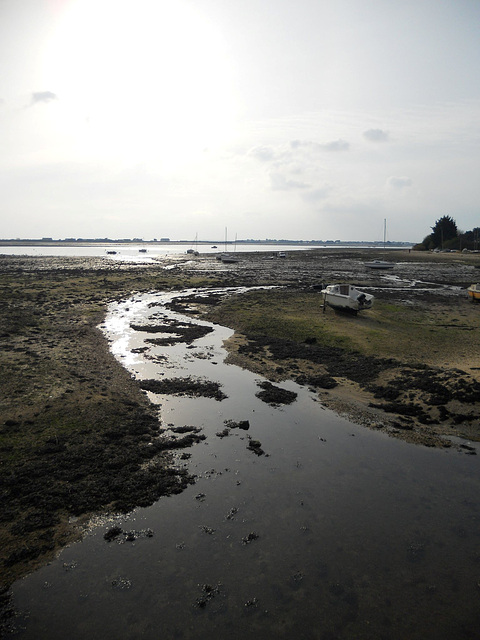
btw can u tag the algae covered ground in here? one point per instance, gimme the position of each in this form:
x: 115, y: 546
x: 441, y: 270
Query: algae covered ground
x: 75, y: 428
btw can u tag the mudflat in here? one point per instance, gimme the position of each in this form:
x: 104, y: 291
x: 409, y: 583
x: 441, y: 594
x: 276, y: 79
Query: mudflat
x: 78, y: 435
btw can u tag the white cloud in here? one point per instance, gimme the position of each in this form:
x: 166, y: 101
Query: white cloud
x: 280, y: 182
x: 42, y: 96
x: 376, y: 135
x: 334, y: 145
x: 337, y: 145
x: 399, y: 182
x: 264, y: 154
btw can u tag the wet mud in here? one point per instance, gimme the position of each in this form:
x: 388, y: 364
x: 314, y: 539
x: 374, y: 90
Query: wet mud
x: 78, y: 435
x: 417, y: 396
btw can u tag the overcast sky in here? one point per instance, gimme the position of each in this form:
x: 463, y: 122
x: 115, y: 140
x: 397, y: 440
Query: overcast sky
x: 298, y: 119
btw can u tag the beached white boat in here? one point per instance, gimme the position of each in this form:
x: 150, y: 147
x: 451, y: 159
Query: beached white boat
x: 474, y: 292
x: 346, y: 298
x: 379, y: 264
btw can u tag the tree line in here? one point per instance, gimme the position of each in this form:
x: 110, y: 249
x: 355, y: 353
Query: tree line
x: 446, y: 235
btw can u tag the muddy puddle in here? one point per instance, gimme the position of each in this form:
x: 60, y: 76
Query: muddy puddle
x: 299, y: 525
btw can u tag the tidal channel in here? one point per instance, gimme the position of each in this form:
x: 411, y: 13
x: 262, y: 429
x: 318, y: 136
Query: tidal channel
x: 299, y: 525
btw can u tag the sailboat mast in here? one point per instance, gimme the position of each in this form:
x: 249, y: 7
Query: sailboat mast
x: 384, y: 231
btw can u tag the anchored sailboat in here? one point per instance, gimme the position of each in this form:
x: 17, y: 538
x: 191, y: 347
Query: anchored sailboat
x: 381, y: 264
x: 194, y: 251
x: 225, y: 256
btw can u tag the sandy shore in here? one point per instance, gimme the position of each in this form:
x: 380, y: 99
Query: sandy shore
x: 76, y: 429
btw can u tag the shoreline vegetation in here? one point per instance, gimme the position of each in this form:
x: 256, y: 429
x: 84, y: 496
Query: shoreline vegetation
x: 78, y: 436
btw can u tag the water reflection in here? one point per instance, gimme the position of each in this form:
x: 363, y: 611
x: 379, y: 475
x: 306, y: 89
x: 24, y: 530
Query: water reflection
x: 337, y: 532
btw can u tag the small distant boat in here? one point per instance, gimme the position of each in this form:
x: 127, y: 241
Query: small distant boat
x: 474, y: 292
x: 225, y: 256
x: 142, y: 251
x: 346, y: 297
x: 380, y: 264
x: 194, y: 252
x: 281, y: 254
x: 111, y: 253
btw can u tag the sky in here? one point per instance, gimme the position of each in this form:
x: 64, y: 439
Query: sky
x: 284, y: 119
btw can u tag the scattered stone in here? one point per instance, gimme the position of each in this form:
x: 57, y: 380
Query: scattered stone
x: 121, y: 584
x: 208, y: 530
x: 256, y: 447
x: 251, y: 603
x: 209, y: 592
x: 250, y: 537
x: 242, y: 424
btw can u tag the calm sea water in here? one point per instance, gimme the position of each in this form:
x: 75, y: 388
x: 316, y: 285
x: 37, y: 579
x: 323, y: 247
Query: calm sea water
x: 336, y: 532
x: 132, y: 251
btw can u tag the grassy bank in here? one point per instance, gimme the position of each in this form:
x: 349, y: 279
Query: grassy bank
x: 429, y: 333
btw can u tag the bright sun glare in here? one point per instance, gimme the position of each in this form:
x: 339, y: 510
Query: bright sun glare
x: 144, y: 80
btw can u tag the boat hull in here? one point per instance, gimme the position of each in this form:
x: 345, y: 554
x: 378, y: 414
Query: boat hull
x: 474, y: 292
x: 227, y: 258
x: 345, y: 297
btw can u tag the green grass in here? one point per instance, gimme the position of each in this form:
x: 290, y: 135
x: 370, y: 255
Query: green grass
x: 409, y: 333
x: 296, y: 316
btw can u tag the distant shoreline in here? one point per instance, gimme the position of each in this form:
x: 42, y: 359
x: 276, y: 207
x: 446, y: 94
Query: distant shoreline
x: 107, y: 242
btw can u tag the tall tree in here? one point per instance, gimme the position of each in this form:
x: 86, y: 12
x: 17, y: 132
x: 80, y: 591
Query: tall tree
x: 444, y: 229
